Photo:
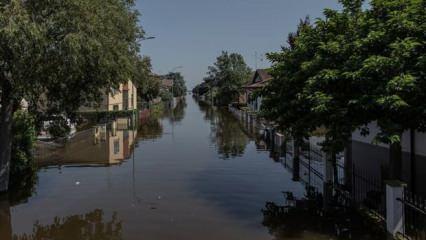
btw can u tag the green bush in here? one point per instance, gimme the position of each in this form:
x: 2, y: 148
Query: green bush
x: 166, y: 96
x: 22, y: 167
x: 59, y: 128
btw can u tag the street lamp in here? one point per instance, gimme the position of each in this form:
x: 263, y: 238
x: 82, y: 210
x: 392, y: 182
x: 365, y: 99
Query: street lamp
x: 146, y: 38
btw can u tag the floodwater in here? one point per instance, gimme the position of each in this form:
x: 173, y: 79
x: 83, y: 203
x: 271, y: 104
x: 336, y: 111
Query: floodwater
x: 189, y: 173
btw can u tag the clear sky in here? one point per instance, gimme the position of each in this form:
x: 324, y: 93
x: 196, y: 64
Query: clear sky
x: 192, y: 33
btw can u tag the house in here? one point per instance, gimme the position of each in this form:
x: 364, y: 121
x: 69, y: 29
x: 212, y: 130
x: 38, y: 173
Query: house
x: 166, y: 84
x: 260, y: 79
x: 122, y: 99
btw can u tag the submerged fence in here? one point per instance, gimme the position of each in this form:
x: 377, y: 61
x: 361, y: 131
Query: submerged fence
x: 401, y: 211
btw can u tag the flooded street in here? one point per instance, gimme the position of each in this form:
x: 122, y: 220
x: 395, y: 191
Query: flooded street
x: 191, y: 173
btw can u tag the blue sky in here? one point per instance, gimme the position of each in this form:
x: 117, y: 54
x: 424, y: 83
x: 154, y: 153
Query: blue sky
x: 192, y: 33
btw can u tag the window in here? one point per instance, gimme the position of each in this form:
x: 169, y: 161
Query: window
x: 116, y: 146
x: 115, y: 107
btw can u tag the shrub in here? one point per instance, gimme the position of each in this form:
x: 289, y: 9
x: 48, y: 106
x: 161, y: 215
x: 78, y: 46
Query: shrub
x: 166, y: 96
x: 22, y: 167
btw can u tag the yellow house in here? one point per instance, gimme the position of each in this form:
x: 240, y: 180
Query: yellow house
x: 121, y: 99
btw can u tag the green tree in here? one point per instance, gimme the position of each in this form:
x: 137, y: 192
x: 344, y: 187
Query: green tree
x: 59, y: 55
x: 285, y: 101
x: 147, y: 82
x: 351, y: 68
x: 335, y: 92
x: 179, y: 88
x: 228, y: 74
x: 393, y: 66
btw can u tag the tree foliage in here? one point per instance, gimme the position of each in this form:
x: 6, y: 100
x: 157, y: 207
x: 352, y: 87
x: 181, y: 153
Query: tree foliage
x: 227, y: 76
x: 350, y: 68
x: 59, y: 55
x: 147, y: 82
x: 179, y: 87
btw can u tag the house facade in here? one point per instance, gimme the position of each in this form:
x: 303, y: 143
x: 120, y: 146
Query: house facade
x: 122, y: 99
x: 259, y: 81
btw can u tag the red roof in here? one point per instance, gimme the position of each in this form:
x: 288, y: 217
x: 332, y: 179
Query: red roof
x: 262, y: 76
x: 168, y: 83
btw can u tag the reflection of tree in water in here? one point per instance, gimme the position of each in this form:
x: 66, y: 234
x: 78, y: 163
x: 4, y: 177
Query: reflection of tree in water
x: 179, y: 110
x: 24, y: 189
x: 178, y: 113
x: 90, y: 226
x: 19, y: 192
x: 151, y: 128
x: 307, y: 219
x: 226, y: 131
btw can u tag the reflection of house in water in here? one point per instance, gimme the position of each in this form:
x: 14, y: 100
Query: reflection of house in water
x: 103, y: 144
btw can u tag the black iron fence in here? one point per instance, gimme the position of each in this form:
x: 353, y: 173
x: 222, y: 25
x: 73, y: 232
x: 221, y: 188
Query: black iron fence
x: 369, y: 192
x: 414, y: 213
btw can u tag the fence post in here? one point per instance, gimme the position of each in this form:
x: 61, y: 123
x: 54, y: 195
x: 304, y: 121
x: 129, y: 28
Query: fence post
x: 394, y: 207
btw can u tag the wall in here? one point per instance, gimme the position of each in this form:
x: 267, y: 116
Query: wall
x: 374, y: 129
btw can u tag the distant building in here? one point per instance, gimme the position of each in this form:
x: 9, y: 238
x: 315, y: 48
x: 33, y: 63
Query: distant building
x: 260, y: 79
x: 166, y: 84
x: 121, y: 99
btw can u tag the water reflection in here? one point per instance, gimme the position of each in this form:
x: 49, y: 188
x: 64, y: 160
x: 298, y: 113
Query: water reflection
x: 226, y: 133
x: 173, y: 188
x: 92, y: 225
x: 103, y: 144
x: 306, y: 219
x: 150, y: 128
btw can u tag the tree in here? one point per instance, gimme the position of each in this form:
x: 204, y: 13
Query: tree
x: 179, y: 87
x: 394, y: 64
x: 228, y: 74
x: 147, y: 82
x: 59, y: 55
x: 335, y: 92
x: 351, y: 68
x: 285, y: 101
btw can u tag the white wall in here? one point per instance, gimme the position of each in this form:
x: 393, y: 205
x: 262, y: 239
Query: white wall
x: 374, y: 129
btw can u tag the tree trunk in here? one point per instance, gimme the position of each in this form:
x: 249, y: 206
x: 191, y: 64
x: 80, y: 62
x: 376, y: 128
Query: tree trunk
x: 395, y: 157
x: 5, y: 219
x: 413, y: 160
x: 6, y: 120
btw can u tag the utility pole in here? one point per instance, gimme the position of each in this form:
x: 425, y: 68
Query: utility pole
x: 255, y: 60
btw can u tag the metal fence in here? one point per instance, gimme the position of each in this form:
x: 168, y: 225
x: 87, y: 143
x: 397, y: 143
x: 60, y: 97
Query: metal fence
x: 369, y: 192
x: 414, y: 213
